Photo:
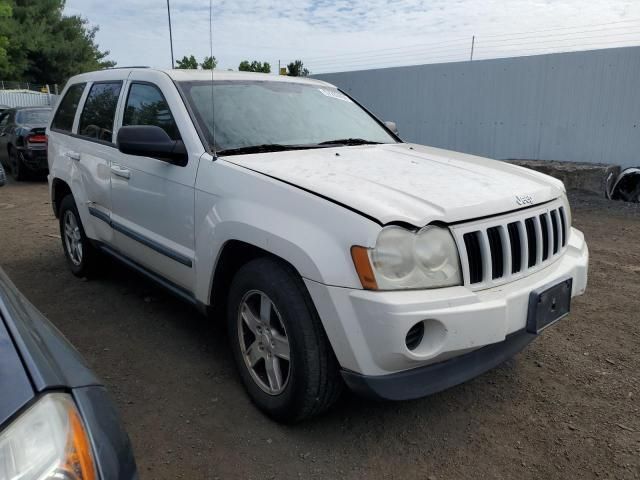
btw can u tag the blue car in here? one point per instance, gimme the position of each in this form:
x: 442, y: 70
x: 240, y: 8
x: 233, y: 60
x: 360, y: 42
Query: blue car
x: 56, y: 418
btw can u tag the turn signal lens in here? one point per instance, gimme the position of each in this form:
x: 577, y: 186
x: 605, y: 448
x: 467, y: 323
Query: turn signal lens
x: 48, y: 441
x: 360, y: 256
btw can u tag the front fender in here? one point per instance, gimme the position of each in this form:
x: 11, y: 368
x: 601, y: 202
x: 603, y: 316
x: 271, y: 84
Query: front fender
x: 311, y: 233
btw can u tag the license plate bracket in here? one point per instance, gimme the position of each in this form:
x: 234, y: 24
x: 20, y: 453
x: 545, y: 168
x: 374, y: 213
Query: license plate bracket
x: 549, y: 304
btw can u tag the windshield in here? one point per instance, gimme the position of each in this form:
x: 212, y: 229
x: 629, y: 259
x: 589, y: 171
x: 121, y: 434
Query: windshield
x: 34, y: 116
x: 286, y: 114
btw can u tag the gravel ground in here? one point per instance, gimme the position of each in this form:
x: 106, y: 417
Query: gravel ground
x: 567, y: 407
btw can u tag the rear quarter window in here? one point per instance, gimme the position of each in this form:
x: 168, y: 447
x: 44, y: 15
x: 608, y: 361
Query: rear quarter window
x: 66, y: 112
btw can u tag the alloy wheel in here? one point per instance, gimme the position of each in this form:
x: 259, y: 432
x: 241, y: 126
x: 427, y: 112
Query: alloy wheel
x: 72, y: 237
x: 263, y: 342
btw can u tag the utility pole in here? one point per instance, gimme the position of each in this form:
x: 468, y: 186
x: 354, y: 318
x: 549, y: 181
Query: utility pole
x: 170, y: 34
x: 473, y: 43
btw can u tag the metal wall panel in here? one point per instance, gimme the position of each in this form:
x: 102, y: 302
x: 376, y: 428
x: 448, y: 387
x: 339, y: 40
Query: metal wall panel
x: 577, y: 106
x: 17, y: 98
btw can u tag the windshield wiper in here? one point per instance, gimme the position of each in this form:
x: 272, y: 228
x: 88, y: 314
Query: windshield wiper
x: 349, y: 141
x: 264, y: 148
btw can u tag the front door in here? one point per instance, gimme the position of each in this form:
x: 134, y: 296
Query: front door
x: 153, y: 200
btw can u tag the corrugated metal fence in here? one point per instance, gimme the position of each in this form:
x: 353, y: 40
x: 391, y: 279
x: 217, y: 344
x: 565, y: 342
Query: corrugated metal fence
x: 26, y: 98
x: 578, y: 106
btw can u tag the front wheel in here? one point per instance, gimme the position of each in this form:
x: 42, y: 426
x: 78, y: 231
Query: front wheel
x: 80, y: 254
x: 281, y: 350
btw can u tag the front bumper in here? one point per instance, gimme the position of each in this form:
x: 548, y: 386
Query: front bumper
x: 368, y: 329
x: 422, y: 381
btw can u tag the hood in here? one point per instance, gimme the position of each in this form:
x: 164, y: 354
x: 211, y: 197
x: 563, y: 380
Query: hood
x: 408, y: 183
x: 48, y: 358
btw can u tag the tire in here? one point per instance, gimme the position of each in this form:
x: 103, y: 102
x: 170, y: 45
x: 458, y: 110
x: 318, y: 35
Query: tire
x: 82, y: 262
x: 18, y: 171
x: 3, y: 177
x: 310, y: 381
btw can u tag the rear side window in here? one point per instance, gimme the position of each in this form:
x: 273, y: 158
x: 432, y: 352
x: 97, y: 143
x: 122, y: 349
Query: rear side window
x: 67, y: 110
x: 146, y: 106
x: 99, y: 111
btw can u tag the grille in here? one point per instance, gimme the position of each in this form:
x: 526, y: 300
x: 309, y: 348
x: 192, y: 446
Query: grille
x: 501, y: 249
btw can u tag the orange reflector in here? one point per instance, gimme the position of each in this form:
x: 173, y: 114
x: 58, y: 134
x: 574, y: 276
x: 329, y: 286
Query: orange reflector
x: 79, y: 459
x: 360, y: 256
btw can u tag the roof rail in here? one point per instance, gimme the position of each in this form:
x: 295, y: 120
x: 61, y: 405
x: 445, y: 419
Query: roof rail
x: 132, y: 66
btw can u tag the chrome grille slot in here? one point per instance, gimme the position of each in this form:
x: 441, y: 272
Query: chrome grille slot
x: 472, y: 245
x: 495, y: 245
x: 501, y: 249
x: 545, y: 236
x: 516, y: 247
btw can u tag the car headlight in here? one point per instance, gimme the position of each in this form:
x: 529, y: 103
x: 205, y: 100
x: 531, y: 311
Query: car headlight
x: 48, y: 441
x: 403, y: 259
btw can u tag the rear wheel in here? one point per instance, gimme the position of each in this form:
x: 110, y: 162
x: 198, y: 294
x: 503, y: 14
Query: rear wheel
x: 18, y: 171
x: 281, y: 350
x: 80, y: 254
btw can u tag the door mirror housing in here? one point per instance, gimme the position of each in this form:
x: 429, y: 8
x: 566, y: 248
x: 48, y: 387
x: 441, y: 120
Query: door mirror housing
x: 392, y: 126
x: 151, y: 141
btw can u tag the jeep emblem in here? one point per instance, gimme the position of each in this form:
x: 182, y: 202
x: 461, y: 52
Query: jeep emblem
x: 524, y: 199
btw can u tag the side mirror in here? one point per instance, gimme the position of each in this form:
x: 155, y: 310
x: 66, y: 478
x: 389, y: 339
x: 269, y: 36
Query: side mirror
x: 151, y: 141
x: 392, y: 126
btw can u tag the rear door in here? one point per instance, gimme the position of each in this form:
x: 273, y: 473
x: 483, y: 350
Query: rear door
x: 153, y: 200
x: 95, y: 150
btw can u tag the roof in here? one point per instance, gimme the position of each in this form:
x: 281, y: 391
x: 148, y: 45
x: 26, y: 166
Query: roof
x: 205, y: 75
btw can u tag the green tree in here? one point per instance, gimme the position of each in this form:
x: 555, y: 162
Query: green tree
x: 5, y: 18
x: 209, y: 63
x: 254, y: 66
x: 44, y: 46
x: 297, y: 69
x: 187, y: 63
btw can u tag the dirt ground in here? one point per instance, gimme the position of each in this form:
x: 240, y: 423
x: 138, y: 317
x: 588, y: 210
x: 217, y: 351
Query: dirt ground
x: 567, y: 407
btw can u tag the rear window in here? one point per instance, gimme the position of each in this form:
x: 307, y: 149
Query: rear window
x: 67, y: 110
x: 99, y: 111
x: 40, y: 116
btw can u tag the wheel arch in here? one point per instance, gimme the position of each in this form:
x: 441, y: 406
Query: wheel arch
x: 59, y: 190
x: 233, y: 255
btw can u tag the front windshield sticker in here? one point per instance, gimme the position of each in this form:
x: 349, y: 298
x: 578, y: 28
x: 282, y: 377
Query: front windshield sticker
x: 335, y: 94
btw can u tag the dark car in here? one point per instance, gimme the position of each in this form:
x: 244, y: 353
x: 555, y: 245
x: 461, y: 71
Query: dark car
x: 23, y: 142
x: 56, y: 418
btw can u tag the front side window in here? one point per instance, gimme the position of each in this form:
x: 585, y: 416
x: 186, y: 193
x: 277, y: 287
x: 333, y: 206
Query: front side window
x: 245, y: 114
x: 67, y: 110
x: 147, y: 106
x: 99, y: 111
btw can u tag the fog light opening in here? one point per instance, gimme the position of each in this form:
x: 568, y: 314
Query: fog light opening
x: 415, y: 336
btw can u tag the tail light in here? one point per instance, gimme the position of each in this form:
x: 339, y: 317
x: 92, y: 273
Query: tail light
x: 37, y: 139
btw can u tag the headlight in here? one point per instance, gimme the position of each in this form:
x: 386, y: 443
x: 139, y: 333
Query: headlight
x: 403, y: 259
x: 46, y: 442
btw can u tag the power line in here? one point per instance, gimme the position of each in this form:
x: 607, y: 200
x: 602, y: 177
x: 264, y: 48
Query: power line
x: 462, y: 57
x: 632, y: 20
x: 479, y: 38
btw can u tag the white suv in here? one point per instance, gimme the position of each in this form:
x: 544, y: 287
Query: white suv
x: 337, y: 253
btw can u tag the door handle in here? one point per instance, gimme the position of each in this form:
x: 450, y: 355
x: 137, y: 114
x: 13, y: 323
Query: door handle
x: 73, y: 156
x: 120, y: 171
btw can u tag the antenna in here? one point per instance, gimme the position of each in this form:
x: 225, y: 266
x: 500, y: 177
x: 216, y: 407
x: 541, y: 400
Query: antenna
x: 213, y: 117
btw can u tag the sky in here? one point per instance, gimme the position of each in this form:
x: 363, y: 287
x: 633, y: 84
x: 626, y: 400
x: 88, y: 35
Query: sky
x: 340, y: 35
